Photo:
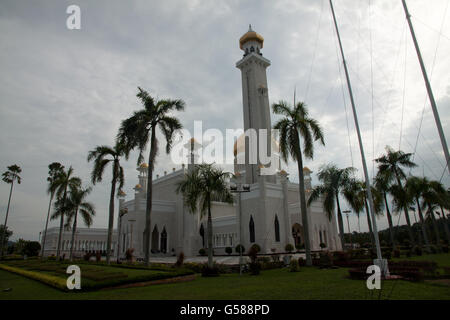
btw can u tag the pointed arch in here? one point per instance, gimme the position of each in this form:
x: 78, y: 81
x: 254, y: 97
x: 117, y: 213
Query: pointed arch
x: 155, y: 240
x: 202, y: 234
x: 251, y: 227
x: 163, y: 243
x: 277, y: 229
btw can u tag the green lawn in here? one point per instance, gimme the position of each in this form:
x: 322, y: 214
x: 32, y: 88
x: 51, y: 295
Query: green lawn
x: 309, y: 283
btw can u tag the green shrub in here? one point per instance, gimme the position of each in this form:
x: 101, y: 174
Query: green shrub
x: 294, y: 266
x: 417, y: 250
x: 228, y: 250
x: 31, y: 248
x: 396, y: 253
x: 256, y: 247
x: 240, y: 248
x: 180, y: 260
x: 210, y: 272
x: 202, y: 252
x: 322, y: 245
x: 57, y: 282
x: 289, y: 247
x: 254, y: 268
x: 433, y: 249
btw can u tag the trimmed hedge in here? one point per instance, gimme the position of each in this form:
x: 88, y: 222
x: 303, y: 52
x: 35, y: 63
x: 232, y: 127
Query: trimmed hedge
x: 50, y: 280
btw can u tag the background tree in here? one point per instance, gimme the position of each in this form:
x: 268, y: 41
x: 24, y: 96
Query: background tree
x: 432, y: 201
x: 64, y: 181
x: 136, y: 131
x: 296, y: 123
x: 54, y: 170
x: 392, y: 163
x: 383, y: 182
x: 334, y: 181
x: 202, y: 185
x: 9, y: 176
x: 102, y: 155
x: 76, y: 203
x: 416, y: 187
x: 6, y: 233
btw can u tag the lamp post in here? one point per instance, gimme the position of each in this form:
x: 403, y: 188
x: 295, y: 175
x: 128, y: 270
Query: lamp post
x: 238, y: 187
x: 348, y: 225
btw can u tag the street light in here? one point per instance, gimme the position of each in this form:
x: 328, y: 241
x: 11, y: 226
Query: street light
x: 348, y: 225
x: 237, y: 187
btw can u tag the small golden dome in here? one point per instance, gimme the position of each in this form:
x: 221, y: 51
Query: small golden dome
x: 138, y: 186
x: 250, y: 36
x: 306, y: 169
x: 261, y: 166
x: 143, y: 165
x: 283, y: 172
x: 122, y: 194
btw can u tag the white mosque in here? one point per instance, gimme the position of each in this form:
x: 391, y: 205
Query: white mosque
x: 268, y: 215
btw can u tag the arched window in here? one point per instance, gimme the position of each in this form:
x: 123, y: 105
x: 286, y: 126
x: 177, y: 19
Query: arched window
x: 277, y: 229
x: 163, y: 245
x: 251, y: 227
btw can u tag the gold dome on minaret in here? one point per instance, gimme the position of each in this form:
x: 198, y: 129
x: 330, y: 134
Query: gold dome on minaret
x: 143, y: 165
x: 250, y: 36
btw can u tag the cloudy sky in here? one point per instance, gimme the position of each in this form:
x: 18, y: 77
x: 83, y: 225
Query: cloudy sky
x: 62, y: 92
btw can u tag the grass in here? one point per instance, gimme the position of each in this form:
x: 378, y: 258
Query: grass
x: 309, y: 283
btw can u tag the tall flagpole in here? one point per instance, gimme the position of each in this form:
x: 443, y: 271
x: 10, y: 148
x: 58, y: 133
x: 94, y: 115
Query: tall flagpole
x: 430, y: 92
x: 361, y: 148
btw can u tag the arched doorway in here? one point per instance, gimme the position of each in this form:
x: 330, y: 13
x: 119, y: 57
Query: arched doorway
x: 277, y: 229
x: 297, y: 234
x: 155, y: 239
x: 164, y: 240
x: 251, y: 227
x: 202, y: 234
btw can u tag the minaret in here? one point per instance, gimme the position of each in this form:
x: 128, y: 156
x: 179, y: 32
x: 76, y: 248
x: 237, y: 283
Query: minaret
x: 254, y: 94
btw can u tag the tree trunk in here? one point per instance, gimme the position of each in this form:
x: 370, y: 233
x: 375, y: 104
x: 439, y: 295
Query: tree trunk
x: 447, y: 232
x: 74, y: 230
x: 389, y: 217
x: 340, y: 222
x: 369, y: 223
x: 111, y: 214
x: 46, y: 224
x: 148, y: 209
x: 422, y: 224
x: 61, y: 226
x: 303, y: 209
x: 119, y: 228
x: 210, y: 236
x: 6, y: 221
x: 408, y: 222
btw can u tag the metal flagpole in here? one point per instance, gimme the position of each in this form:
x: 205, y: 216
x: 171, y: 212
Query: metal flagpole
x: 430, y: 92
x: 383, y: 265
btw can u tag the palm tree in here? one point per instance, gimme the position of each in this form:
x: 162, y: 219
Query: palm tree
x: 76, y: 203
x: 356, y: 195
x: 416, y: 187
x: 432, y: 201
x: 64, y: 181
x: 334, y: 181
x: 136, y: 131
x: 9, y: 176
x: 202, y: 185
x: 382, y: 184
x: 444, y: 202
x: 296, y: 123
x: 392, y: 164
x: 101, y: 154
x: 54, y: 170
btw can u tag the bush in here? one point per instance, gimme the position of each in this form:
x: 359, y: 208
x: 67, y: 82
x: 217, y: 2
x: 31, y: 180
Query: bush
x: 433, y: 249
x: 445, y: 248
x: 396, y: 253
x: 87, y: 256
x: 293, y: 266
x: 202, y: 252
x: 326, y: 260
x: 275, y: 257
x: 256, y: 247
x: 98, y: 256
x: 129, y: 254
x: 240, y: 248
x: 322, y: 245
x: 31, y: 248
x: 417, y: 250
x: 180, y: 260
x: 289, y: 247
x: 254, y: 268
x: 210, y: 272
x: 301, y: 262
x: 387, y: 255
x: 228, y: 250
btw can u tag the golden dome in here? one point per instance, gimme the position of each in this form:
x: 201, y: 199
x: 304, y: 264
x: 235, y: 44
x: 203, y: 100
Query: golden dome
x: 306, y: 169
x: 143, y: 165
x: 251, y: 36
x: 122, y: 194
x: 283, y: 172
x: 239, y: 145
x: 138, y: 186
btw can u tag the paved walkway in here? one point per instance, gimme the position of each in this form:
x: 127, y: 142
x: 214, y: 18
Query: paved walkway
x: 219, y: 259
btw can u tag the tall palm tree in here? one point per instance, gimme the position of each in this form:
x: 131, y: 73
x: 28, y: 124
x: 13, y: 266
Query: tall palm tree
x: 392, y: 164
x: 334, y: 181
x: 295, y: 124
x: 102, y: 155
x: 9, y: 176
x: 382, y: 184
x: 444, y: 202
x: 64, y: 181
x: 136, y: 131
x: 416, y: 187
x: 54, y: 170
x: 76, y: 203
x: 202, y: 185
